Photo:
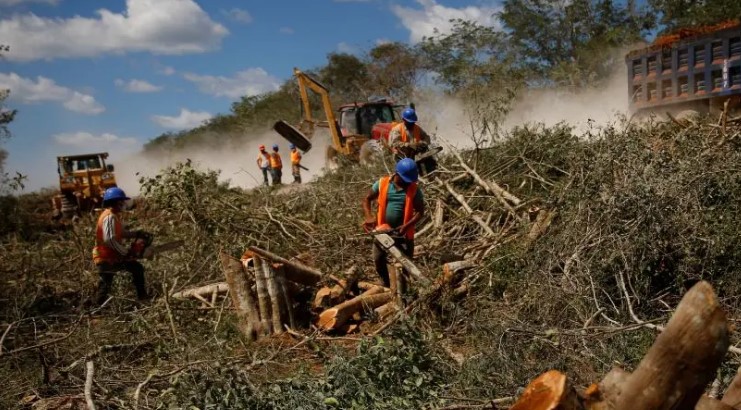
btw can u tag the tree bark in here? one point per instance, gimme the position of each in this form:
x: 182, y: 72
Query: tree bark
x: 295, y: 271
x: 274, y: 292
x: 684, y: 357
x: 240, y: 294
x: 263, y: 300
x: 732, y: 397
x: 285, y: 296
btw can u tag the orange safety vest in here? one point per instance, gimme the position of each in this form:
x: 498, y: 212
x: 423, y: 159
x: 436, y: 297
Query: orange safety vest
x: 275, y: 161
x: 383, y: 190
x: 295, y: 157
x: 263, y: 156
x: 416, y: 132
x: 103, y: 253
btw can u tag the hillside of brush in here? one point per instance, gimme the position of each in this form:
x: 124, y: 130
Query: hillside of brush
x: 638, y: 213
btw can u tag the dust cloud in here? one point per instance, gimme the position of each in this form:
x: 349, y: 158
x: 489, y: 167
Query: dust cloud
x: 235, y: 160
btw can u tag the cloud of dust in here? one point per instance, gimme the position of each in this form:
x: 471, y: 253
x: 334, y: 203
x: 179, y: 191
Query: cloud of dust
x: 236, y: 160
x: 447, y: 118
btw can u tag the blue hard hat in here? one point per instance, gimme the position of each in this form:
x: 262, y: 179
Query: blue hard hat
x: 409, y: 115
x: 275, y: 147
x: 114, y: 194
x: 291, y: 146
x: 407, y: 170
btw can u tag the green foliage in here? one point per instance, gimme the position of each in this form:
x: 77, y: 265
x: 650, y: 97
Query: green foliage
x: 394, y: 70
x: 345, y: 76
x: 676, y: 14
x: 394, y: 372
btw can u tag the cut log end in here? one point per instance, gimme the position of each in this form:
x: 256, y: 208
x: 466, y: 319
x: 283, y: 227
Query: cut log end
x: 549, y: 391
x: 328, y: 319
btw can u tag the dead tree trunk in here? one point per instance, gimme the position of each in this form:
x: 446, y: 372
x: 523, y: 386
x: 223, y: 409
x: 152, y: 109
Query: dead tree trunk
x: 263, y: 299
x: 275, y: 296
x: 240, y: 294
x: 683, y: 360
x: 295, y: 271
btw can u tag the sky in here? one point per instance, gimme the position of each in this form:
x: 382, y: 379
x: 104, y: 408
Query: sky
x: 91, y: 75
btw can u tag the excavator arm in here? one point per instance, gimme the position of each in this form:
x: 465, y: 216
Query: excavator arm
x: 302, y: 135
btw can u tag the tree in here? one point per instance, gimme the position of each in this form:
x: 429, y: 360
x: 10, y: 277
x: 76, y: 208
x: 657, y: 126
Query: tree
x: 572, y: 43
x: 394, y: 69
x: 346, y: 77
x: 6, y: 117
x: 691, y: 13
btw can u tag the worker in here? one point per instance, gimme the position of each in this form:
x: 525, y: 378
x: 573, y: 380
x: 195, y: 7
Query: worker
x: 263, y: 162
x: 295, y: 163
x: 407, y: 137
x: 276, y: 165
x: 400, y: 207
x: 110, y: 255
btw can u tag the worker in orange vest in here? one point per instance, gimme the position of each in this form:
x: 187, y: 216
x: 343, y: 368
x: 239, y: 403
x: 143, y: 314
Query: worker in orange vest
x: 295, y: 163
x: 408, y: 137
x: 400, y: 207
x: 109, y: 253
x: 263, y: 162
x: 276, y: 165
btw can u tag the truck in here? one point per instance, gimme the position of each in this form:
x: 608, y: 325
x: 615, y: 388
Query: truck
x: 690, y: 72
x: 82, y: 181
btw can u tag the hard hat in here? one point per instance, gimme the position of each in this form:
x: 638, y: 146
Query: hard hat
x: 275, y: 147
x: 291, y: 146
x: 114, y: 194
x: 409, y: 115
x: 262, y: 147
x: 407, y: 170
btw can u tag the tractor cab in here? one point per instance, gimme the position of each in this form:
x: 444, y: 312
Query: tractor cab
x: 372, y: 119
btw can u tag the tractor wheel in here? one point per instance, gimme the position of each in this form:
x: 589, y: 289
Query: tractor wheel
x: 369, y: 151
x: 332, y: 158
x: 69, y: 208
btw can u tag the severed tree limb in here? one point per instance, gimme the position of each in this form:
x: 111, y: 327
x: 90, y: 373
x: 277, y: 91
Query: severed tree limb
x: 241, y: 295
x: 202, y: 291
x: 275, y: 296
x: 285, y: 296
x: 263, y: 300
x: 337, y: 316
x: 295, y: 271
x: 469, y: 210
x: 90, y: 370
x: 551, y: 390
x: 492, y: 187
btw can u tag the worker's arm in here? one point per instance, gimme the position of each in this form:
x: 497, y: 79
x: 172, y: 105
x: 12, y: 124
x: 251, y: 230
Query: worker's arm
x: 110, y: 238
x: 370, y: 220
x: 419, y: 212
x: 425, y: 136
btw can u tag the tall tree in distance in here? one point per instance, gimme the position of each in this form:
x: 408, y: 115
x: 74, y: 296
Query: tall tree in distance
x: 6, y: 116
x: 346, y: 77
x: 394, y: 69
x: 674, y: 14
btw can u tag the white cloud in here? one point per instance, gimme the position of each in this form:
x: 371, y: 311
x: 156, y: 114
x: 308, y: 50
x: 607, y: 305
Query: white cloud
x: 252, y: 81
x: 137, y: 86
x: 43, y: 89
x: 90, y: 142
x: 167, y: 70
x: 238, y: 15
x: 186, y: 119
x: 343, y: 47
x: 285, y: 30
x: 423, y: 22
x: 157, y: 26
x: 382, y: 41
x: 15, y: 2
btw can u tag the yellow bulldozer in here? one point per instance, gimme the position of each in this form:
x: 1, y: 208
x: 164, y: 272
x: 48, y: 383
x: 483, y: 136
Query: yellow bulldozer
x: 82, y: 181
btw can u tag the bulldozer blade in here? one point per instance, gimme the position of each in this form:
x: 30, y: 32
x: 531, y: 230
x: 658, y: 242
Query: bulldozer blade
x: 152, y: 250
x: 293, y: 135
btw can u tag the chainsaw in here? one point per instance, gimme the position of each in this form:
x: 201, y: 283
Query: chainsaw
x: 142, y: 247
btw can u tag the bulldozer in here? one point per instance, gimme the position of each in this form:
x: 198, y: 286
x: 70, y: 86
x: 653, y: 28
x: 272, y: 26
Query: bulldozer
x: 356, y: 135
x: 82, y: 181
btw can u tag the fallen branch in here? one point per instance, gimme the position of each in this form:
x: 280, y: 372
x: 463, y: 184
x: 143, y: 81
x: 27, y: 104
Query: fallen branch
x: 90, y: 370
x: 469, y: 210
x: 202, y: 291
x: 295, y: 271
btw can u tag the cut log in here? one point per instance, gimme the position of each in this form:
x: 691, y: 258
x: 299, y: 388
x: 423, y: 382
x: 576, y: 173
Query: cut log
x: 684, y: 357
x: 363, y: 285
x: 450, y: 269
x: 242, y: 299
x: 263, y: 300
x: 285, y: 296
x: 732, y: 397
x: 386, y: 310
x: 294, y: 271
x: 549, y: 391
x: 275, y: 296
x: 458, y: 197
x: 201, y: 291
x: 387, y: 242
x: 439, y: 214
x: 335, y: 317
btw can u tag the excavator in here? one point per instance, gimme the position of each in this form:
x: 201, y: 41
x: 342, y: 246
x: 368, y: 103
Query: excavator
x: 361, y: 130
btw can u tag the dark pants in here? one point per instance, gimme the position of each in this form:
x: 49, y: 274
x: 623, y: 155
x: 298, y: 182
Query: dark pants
x: 106, y: 272
x: 296, y: 174
x: 265, y: 172
x: 406, y: 246
x: 277, y: 174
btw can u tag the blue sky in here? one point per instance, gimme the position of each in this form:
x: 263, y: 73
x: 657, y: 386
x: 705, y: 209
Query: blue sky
x: 110, y: 75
